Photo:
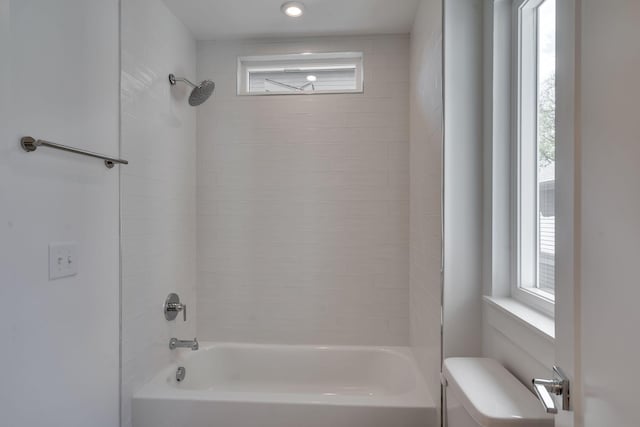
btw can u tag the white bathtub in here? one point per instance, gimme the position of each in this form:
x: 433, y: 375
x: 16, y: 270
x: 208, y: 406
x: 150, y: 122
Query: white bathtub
x: 249, y: 385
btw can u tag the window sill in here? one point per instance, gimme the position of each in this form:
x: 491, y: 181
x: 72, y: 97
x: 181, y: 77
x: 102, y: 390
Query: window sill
x: 537, y: 322
x: 536, y: 300
x: 529, y: 329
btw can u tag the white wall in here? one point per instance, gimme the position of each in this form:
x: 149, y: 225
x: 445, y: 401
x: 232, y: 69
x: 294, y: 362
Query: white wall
x: 609, y: 218
x: 463, y: 177
x: 525, y: 353
x: 303, y: 205
x: 158, y: 190
x: 59, y: 78
x: 426, y: 186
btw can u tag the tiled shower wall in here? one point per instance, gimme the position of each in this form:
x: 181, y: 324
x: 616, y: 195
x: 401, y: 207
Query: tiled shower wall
x: 303, y: 212
x: 157, y: 190
x: 426, y: 185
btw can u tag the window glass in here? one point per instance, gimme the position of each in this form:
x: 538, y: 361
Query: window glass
x: 546, y: 140
x: 308, y: 80
x: 536, y: 151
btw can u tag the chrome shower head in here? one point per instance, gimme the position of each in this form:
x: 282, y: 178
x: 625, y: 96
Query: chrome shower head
x: 200, y: 93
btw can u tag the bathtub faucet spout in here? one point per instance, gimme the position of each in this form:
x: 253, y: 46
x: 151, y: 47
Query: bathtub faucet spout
x: 176, y: 343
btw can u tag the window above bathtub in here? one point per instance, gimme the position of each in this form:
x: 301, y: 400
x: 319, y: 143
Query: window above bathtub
x: 301, y: 74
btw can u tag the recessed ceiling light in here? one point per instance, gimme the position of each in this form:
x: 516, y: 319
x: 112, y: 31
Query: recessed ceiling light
x: 311, y: 78
x: 292, y: 9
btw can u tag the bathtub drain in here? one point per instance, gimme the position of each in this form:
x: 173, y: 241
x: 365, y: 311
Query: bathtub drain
x: 180, y: 373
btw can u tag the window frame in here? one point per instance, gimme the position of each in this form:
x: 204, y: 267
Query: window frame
x: 525, y: 92
x: 299, y: 60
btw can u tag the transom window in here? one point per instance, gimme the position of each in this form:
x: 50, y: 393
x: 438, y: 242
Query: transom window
x: 300, y: 74
x: 535, y: 151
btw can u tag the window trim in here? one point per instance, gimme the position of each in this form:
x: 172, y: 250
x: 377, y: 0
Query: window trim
x: 299, y: 60
x: 523, y: 122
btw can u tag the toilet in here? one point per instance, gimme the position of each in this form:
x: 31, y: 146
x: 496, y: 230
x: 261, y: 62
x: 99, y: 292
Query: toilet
x: 480, y: 392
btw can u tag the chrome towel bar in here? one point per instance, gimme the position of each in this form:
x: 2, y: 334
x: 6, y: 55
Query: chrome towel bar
x: 31, y: 144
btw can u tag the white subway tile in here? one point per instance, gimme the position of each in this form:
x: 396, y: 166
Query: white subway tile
x: 302, y: 202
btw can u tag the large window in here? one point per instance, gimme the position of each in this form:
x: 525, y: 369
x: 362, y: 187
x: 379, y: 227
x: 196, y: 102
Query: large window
x: 535, y: 153
x: 300, y: 74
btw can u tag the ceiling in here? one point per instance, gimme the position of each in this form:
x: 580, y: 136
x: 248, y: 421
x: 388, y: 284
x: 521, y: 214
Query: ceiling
x: 225, y: 19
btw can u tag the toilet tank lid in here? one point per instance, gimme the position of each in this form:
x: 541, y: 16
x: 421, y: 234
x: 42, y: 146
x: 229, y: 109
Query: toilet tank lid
x: 491, y: 395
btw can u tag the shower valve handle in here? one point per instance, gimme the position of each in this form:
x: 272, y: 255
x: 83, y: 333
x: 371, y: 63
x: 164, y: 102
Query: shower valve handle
x: 172, y: 306
x: 183, y: 308
x: 176, y: 308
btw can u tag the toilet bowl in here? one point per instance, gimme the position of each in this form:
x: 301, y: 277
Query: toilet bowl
x: 480, y: 392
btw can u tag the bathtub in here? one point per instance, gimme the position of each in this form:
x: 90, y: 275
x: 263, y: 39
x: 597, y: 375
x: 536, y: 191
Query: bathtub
x: 250, y: 385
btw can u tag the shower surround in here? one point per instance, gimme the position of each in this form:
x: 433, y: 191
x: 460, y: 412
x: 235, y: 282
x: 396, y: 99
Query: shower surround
x: 303, y: 211
x: 277, y: 219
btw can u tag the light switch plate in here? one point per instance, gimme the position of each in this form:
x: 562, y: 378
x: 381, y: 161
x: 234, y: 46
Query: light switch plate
x: 62, y: 260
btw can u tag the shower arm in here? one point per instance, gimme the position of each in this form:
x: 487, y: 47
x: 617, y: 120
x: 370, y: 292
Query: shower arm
x: 173, y: 80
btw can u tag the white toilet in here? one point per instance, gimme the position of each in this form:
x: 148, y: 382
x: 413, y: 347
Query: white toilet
x: 482, y: 393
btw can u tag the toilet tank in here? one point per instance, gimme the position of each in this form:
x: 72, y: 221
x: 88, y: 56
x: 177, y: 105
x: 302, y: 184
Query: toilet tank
x: 482, y: 393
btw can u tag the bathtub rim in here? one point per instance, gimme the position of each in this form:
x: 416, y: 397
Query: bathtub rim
x: 418, y: 398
